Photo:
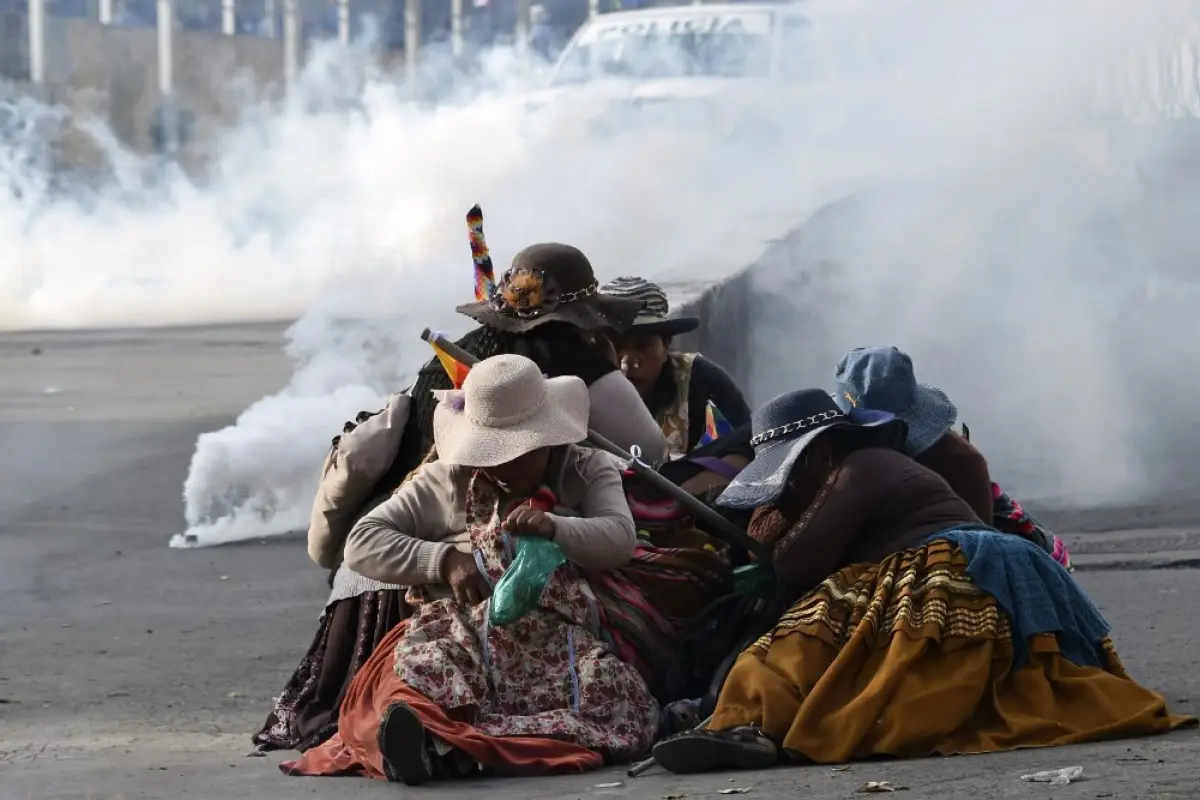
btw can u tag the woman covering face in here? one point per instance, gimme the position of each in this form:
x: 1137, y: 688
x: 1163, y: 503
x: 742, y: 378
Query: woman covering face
x: 914, y: 628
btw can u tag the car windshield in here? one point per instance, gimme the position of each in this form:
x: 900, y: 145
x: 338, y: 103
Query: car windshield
x: 695, y: 45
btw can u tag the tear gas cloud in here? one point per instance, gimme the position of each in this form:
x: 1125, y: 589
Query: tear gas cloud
x: 1002, y: 226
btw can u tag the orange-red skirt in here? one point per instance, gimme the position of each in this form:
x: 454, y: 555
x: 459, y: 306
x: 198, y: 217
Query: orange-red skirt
x: 355, y: 748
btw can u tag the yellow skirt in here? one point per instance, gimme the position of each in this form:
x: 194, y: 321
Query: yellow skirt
x: 910, y: 658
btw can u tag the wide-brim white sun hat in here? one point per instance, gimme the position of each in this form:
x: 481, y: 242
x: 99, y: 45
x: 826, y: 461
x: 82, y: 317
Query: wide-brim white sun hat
x: 505, y: 409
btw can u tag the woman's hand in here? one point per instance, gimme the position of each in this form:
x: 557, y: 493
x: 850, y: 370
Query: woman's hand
x: 528, y: 521
x: 460, y: 571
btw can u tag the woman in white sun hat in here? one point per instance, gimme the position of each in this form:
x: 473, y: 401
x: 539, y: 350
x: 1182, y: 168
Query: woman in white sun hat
x: 447, y: 691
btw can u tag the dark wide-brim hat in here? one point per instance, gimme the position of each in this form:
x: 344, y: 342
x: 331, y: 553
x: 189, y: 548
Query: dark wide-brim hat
x: 674, y: 326
x: 784, y: 428
x: 551, y: 282
x: 653, y: 318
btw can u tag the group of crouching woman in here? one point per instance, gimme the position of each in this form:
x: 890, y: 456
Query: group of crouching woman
x: 900, y: 579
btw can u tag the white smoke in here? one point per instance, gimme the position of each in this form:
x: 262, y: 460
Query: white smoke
x: 345, y: 206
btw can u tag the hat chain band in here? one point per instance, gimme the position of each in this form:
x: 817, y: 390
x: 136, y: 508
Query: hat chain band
x: 587, y: 291
x: 793, y: 427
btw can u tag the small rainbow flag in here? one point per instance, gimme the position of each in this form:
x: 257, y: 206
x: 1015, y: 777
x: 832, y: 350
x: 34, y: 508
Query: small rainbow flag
x: 454, y: 368
x: 715, y: 425
x: 485, y: 274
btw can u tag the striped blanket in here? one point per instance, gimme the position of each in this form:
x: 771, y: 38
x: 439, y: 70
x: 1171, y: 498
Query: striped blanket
x: 1009, y: 517
x: 646, y: 605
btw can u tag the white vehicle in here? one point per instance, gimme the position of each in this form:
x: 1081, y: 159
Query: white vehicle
x: 728, y: 67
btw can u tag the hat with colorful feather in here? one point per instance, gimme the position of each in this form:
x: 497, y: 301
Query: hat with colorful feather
x: 547, y: 282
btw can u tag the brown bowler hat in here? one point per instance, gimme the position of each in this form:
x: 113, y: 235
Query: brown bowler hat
x: 551, y: 282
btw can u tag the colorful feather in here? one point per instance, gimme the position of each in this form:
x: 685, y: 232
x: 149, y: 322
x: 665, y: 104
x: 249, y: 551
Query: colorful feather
x: 485, y: 276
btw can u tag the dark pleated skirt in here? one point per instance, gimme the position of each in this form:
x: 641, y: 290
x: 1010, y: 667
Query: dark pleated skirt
x: 306, y: 713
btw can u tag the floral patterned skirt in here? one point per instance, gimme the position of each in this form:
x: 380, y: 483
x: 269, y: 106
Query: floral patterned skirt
x: 539, y: 696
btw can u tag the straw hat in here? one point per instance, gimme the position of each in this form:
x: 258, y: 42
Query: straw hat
x: 505, y: 409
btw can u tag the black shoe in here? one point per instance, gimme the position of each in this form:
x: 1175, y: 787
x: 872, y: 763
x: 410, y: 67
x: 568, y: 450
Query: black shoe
x: 708, y: 751
x: 404, y: 745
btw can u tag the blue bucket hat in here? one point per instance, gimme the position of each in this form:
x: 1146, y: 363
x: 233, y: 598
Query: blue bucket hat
x: 881, y: 378
x: 781, y: 431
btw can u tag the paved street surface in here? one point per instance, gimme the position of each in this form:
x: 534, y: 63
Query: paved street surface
x: 129, y: 670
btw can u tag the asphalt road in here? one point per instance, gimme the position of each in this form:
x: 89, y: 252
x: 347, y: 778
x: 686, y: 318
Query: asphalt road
x: 128, y: 669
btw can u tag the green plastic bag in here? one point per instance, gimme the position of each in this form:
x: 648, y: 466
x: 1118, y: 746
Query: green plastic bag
x: 753, y: 578
x: 519, y: 589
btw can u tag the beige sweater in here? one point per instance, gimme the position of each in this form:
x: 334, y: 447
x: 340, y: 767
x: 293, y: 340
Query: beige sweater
x: 617, y: 412
x: 406, y: 538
